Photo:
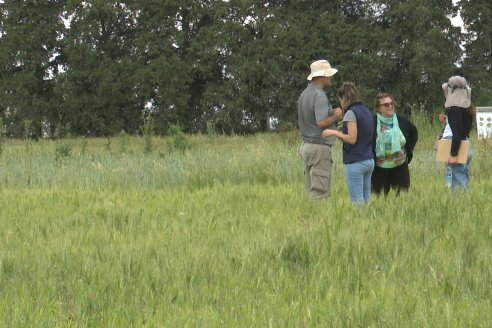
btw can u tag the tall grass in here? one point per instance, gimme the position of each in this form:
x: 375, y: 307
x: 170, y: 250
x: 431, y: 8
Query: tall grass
x: 229, y: 160
x: 222, y: 235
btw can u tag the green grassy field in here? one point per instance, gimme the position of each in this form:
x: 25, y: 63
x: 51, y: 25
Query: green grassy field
x: 104, y: 235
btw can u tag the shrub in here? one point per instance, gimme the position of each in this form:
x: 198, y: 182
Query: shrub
x: 148, y: 130
x: 27, y: 135
x: 62, y: 152
x: 211, y: 129
x: 2, y: 136
x: 124, y: 140
x: 83, y: 145
x: 179, y: 142
x: 109, y: 142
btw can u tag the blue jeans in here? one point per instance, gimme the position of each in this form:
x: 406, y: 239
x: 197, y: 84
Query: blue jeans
x: 461, y: 173
x: 358, y: 178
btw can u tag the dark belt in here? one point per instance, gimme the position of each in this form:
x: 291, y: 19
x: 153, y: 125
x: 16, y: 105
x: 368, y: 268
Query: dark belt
x: 318, y: 143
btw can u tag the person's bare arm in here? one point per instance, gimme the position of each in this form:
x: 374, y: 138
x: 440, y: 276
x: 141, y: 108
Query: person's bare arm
x: 349, y: 138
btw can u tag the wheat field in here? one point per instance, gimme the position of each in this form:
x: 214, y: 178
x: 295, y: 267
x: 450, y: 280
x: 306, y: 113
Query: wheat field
x: 97, y: 233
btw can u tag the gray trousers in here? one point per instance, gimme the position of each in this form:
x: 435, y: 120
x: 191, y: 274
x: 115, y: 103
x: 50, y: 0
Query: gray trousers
x: 317, y: 169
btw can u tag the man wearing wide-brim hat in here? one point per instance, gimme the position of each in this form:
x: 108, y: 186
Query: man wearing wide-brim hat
x: 314, y: 115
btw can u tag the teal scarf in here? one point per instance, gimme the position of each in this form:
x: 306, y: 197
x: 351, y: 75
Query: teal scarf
x: 395, y: 135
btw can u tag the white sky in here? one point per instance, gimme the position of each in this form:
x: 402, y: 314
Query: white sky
x: 457, y: 21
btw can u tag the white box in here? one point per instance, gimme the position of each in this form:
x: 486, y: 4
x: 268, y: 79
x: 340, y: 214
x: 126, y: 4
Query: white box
x: 484, y: 122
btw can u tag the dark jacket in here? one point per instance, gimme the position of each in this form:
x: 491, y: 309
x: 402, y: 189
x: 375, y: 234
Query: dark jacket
x: 409, y: 131
x: 460, y: 123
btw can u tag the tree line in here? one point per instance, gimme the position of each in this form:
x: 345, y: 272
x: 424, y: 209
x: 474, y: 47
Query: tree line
x: 99, y: 67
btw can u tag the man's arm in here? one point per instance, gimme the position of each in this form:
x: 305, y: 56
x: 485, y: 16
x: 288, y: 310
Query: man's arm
x: 337, y: 116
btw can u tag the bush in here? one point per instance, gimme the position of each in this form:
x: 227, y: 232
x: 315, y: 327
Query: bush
x: 124, y: 141
x: 27, y: 135
x: 2, y: 136
x: 148, y: 130
x: 62, y: 152
x: 179, y: 142
x: 83, y: 145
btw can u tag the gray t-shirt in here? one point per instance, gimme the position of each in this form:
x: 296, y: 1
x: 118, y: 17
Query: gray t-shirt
x: 313, y: 106
x: 350, y: 116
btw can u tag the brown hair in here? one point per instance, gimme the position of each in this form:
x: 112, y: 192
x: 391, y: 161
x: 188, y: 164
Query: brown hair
x: 472, y: 110
x: 380, y: 96
x: 349, y: 92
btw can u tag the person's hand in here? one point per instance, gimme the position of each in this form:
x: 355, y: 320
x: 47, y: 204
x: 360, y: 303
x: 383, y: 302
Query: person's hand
x: 338, y: 114
x: 453, y: 160
x: 328, y: 133
x: 442, y: 118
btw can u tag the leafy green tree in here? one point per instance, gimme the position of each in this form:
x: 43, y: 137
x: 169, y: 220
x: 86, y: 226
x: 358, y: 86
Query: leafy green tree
x: 417, y: 49
x: 198, y: 30
x: 29, y: 60
x: 173, y: 70
x: 97, y: 87
x: 269, y: 47
x: 477, y: 18
x: 97, y: 67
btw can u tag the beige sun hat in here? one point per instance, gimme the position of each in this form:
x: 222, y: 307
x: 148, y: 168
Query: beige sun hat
x: 321, y: 68
x: 457, y: 92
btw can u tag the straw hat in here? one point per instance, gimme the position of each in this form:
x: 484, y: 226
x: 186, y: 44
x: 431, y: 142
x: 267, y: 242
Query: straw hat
x: 321, y: 68
x: 457, y: 92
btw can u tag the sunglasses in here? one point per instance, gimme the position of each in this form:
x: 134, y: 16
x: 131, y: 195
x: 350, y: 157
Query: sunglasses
x: 388, y: 104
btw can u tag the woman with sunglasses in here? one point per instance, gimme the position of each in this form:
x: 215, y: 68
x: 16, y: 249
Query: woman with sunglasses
x: 393, y: 142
